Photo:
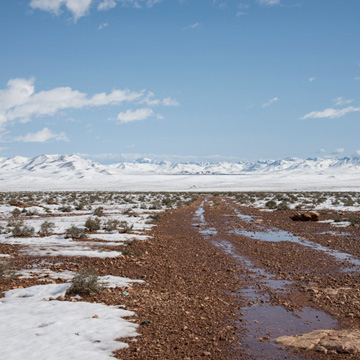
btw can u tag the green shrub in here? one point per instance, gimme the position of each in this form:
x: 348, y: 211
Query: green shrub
x: 65, y: 208
x: 75, y: 233
x: 111, y: 225
x: 93, y: 224
x: 99, y: 211
x: 154, y: 218
x: 46, y: 228
x: 125, y: 227
x: 18, y: 229
x: 84, y: 283
x: 6, y: 269
x: 271, y: 204
x: 16, y: 213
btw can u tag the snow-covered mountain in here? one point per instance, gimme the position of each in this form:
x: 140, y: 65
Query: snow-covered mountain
x: 73, y: 171
x: 76, y: 166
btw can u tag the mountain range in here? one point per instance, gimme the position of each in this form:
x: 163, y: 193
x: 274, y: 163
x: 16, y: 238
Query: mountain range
x: 74, y: 165
x: 72, y: 172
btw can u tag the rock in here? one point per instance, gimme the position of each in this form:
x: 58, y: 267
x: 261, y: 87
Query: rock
x: 95, y: 316
x: 206, y: 353
x: 308, y: 216
x: 325, y: 341
x: 146, y: 322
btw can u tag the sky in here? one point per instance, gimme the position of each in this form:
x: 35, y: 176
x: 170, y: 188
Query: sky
x: 181, y: 80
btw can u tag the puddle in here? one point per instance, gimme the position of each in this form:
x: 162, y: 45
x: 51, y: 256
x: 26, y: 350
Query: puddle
x: 270, y: 322
x: 261, y: 319
x: 276, y: 235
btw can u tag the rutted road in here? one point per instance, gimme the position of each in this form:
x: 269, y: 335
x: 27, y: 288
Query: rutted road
x: 220, y: 288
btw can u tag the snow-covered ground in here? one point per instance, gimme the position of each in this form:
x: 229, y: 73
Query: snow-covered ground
x: 38, y: 322
x: 34, y: 328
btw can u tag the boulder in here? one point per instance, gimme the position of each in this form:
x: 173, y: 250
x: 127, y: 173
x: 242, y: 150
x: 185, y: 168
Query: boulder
x: 306, y: 216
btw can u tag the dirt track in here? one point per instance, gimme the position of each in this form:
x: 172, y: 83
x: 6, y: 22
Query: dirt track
x: 200, y: 299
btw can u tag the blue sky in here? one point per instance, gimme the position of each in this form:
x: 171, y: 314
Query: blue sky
x: 180, y: 80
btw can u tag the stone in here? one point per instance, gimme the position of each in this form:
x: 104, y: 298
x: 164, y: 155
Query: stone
x: 325, y: 341
x: 308, y: 216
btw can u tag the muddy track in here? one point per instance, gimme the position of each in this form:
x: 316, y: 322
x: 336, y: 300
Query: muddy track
x: 216, y: 293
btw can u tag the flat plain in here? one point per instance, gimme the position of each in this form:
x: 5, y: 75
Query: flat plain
x: 179, y: 275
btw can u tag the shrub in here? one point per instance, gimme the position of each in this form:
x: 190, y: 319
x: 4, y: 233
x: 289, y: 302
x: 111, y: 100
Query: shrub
x: 18, y: 229
x: 354, y: 220
x: 46, y: 228
x: 271, y: 204
x: 6, y: 269
x: 75, y: 233
x: 125, y: 227
x: 282, y: 206
x: 99, y: 211
x: 16, y: 213
x: 65, y: 208
x: 85, y: 282
x: 154, y: 218
x: 93, y: 224
x: 111, y: 225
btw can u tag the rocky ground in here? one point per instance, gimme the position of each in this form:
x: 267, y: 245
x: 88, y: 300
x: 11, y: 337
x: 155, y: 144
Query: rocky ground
x: 205, y: 290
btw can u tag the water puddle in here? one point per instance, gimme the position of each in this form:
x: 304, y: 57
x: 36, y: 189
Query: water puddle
x: 277, y: 235
x: 264, y: 322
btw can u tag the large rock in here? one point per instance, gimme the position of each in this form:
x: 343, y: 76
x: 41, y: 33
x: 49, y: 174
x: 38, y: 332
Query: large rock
x: 324, y: 341
x: 307, y: 216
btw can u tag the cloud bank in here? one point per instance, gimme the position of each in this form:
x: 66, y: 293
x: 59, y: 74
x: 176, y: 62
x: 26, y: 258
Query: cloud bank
x: 20, y: 102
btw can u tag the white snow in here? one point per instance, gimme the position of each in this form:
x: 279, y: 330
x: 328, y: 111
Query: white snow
x: 33, y: 328
x: 57, y: 245
x: 109, y: 281
x: 56, y: 172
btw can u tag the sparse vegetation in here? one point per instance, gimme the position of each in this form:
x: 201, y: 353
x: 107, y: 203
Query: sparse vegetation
x: 75, y: 233
x: 111, y: 225
x: 19, y: 229
x: 6, y: 269
x: 99, y: 211
x: 85, y: 283
x: 93, y: 224
x: 46, y: 228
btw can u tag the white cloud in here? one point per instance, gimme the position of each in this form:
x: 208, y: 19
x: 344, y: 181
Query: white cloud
x: 322, y: 151
x: 78, y: 8
x: 170, y: 102
x: 330, y: 113
x: 20, y: 102
x: 106, y: 5
x: 192, y: 27
x: 270, y: 102
x: 311, y: 79
x: 241, y: 13
x: 103, y: 26
x: 269, y: 2
x: 151, y: 101
x: 42, y: 136
x: 151, y: 3
x: 339, y: 101
x: 339, y: 151
x: 357, y: 152
x: 357, y: 78
x: 135, y: 115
